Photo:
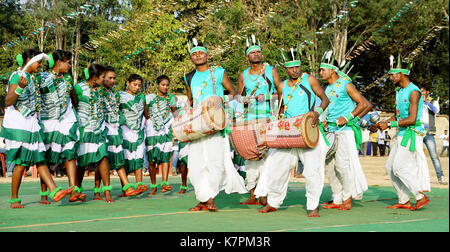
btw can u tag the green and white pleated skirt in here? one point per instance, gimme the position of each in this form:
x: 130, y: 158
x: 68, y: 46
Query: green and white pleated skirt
x: 114, y: 139
x: 159, y: 144
x: 23, y: 138
x: 61, y: 137
x: 133, y: 148
x: 92, y: 147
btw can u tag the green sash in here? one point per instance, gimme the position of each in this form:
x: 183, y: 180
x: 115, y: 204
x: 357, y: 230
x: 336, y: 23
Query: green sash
x: 410, y: 134
x: 356, y: 130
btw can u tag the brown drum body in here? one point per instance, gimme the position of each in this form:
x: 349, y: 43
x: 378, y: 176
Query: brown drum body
x: 294, y: 132
x: 204, y: 119
x: 249, y: 139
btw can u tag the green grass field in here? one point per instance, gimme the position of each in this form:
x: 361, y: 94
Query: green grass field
x: 169, y: 213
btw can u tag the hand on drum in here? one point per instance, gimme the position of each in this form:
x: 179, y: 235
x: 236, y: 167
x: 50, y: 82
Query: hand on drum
x: 341, y: 121
x: 382, y: 125
x: 261, y: 98
x: 316, y: 119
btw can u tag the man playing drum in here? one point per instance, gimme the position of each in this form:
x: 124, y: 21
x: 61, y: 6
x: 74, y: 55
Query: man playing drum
x: 210, y: 165
x: 298, y: 95
x: 259, y: 80
x: 407, y: 163
x: 345, y: 174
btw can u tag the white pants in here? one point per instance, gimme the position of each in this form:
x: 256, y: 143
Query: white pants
x: 276, y: 174
x: 408, y: 170
x: 254, y: 170
x: 211, y: 168
x: 345, y: 173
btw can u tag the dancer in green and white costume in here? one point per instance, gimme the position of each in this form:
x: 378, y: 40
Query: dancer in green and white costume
x: 21, y: 130
x: 158, y: 132
x: 111, y: 103
x: 262, y: 81
x: 407, y: 164
x: 132, y: 112
x: 58, y: 118
x: 347, y: 179
x: 93, y: 147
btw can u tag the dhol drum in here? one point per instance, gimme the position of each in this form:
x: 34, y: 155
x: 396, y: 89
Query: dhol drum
x: 294, y: 132
x: 331, y: 151
x: 248, y: 139
x: 204, y: 119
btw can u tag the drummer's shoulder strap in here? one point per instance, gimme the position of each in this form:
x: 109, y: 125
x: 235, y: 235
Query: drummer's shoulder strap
x: 188, y: 77
x: 308, y: 93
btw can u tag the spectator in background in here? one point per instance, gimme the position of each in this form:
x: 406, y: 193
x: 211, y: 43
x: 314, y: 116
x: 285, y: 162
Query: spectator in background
x: 387, y: 140
x: 365, y: 141
x: 381, y: 143
x: 374, y: 140
x: 429, y: 111
x: 444, y: 138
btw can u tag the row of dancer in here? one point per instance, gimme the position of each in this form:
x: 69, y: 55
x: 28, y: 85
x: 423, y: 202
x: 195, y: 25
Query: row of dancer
x: 49, y: 120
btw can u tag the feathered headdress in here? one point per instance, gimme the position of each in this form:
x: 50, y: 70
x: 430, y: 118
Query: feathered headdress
x: 252, y: 46
x: 291, y: 58
x: 196, y: 46
x: 329, y: 61
x: 401, y: 67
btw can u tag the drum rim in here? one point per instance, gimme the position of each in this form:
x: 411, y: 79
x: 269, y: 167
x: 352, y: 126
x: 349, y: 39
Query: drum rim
x: 309, y: 142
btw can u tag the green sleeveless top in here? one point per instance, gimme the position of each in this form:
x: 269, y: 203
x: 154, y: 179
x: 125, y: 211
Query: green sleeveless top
x: 296, y: 98
x: 258, y: 109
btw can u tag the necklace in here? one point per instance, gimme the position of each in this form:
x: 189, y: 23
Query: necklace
x: 296, y: 84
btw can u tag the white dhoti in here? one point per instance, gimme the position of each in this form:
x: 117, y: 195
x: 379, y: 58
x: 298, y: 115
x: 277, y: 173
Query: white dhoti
x: 275, y: 176
x: 408, y: 170
x: 345, y: 173
x: 211, y: 169
x: 253, y: 172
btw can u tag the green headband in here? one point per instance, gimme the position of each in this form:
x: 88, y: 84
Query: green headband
x: 19, y: 59
x: 198, y: 48
x: 293, y: 63
x: 86, y: 73
x: 251, y: 48
x: 51, y: 61
x: 344, y: 76
x: 399, y: 70
x: 329, y: 66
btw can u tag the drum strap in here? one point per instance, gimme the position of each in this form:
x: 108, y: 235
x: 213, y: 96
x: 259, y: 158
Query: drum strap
x: 307, y: 92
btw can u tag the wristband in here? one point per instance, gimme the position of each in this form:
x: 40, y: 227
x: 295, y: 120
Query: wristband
x: 318, y: 110
x: 394, y: 124
x: 349, y: 117
x: 18, y: 90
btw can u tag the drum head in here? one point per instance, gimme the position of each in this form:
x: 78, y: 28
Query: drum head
x: 310, y: 134
x: 216, y: 113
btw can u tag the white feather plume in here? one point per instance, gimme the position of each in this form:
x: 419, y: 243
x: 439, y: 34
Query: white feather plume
x: 391, y: 61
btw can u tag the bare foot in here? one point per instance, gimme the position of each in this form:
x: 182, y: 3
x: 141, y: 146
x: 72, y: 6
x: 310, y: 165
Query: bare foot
x: 421, y: 203
x: 263, y: 201
x: 108, y: 196
x: 407, y: 205
x: 211, y: 205
x: 44, y: 200
x: 347, y: 205
x: 97, y: 196
x: 250, y: 201
x: 267, y: 208
x: 199, y: 207
x: 314, y: 213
